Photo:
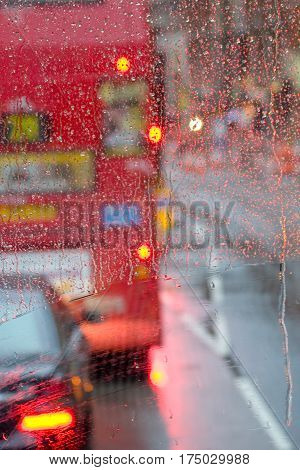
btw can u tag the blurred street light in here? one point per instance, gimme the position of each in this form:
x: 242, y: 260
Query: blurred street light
x: 195, y: 124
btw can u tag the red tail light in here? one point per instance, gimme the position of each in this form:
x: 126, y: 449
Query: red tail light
x: 123, y: 64
x: 155, y: 134
x: 158, y: 377
x: 47, y: 421
x: 158, y: 372
x: 144, y: 252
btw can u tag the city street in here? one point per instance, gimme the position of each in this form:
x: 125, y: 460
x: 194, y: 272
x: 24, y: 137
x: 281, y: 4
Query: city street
x: 217, y: 391
x: 225, y: 381
x: 149, y: 225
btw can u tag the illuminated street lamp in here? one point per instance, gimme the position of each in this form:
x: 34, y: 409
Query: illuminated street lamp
x: 195, y: 124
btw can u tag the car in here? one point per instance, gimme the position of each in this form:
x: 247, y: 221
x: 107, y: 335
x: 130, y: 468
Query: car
x: 119, y: 337
x: 44, y: 384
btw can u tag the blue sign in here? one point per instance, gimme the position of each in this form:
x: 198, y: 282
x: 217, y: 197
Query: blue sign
x: 123, y: 215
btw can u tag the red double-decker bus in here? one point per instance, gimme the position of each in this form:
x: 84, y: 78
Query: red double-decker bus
x: 81, y: 125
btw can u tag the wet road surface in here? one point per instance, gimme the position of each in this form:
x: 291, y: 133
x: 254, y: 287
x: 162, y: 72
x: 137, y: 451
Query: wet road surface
x: 210, y: 395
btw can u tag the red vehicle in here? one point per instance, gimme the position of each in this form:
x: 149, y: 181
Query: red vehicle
x: 81, y: 125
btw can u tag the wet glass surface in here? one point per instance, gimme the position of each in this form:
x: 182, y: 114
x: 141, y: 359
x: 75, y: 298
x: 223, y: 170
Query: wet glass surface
x: 149, y: 224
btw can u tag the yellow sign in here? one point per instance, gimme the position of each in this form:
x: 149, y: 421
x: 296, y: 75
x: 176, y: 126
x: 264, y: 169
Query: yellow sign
x: 22, y: 127
x: 48, y: 172
x: 165, y: 217
x: 27, y: 213
x: 123, y: 118
x: 111, y: 93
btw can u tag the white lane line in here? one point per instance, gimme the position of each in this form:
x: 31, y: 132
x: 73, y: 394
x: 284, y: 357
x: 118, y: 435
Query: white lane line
x: 249, y: 392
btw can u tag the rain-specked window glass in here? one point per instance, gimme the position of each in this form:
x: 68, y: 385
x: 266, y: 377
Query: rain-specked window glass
x: 27, y: 325
x: 149, y: 225
x: 124, y: 117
